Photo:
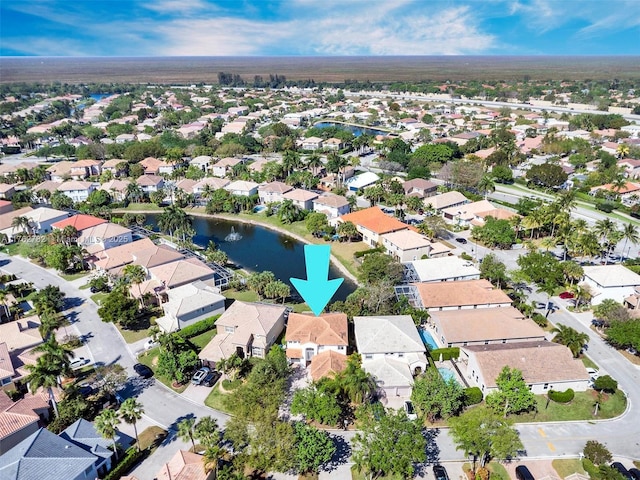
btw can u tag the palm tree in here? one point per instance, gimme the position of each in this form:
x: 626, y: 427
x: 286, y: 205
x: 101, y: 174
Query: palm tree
x: 134, y: 192
x: 288, y: 212
x: 135, y: 274
x: 486, y: 185
x: 570, y: 338
x: 49, y: 322
x: 630, y: 233
x: 186, y: 430
x: 355, y: 382
x: 55, y: 354
x: 206, y: 431
x: 290, y: 161
x: 622, y: 150
x: 314, y: 162
x: 433, y: 226
x: 44, y: 375
x: 336, y: 164
x: 106, y: 423
x: 131, y: 411
x: 572, y: 271
x: 21, y: 223
x: 212, y: 457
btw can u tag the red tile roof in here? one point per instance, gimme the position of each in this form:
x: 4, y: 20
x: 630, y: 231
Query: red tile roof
x: 80, y: 222
x: 375, y: 220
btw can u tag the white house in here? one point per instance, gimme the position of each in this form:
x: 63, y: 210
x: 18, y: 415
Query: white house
x: 614, y: 282
x: 406, y: 245
x: 190, y: 303
x: 442, y: 269
x: 308, y: 335
x: 544, y: 365
x: 242, y: 188
x: 77, y: 190
x: 273, y: 191
x: 363, y: 180
x: 224, y: 166
x: 312, y: 143
x: 104, y: 236
x: 332, y: 205
x: 42, y: 219
x: 150, y: 183
x: 302, y: 198
x: 202, y: 162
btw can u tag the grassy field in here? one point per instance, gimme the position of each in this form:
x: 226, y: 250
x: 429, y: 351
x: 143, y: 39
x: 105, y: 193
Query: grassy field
x: 99, y: 297
x: 567, y: 466
x: 132, y: 336
x: 243, y: 296
x: 588, y: 363
x: 581, y: 408
x: 216, y: 400
x: 11, y: 249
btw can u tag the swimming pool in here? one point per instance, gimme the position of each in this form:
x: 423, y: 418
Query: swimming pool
x: 447, y: 374
x: 258, y: 208
x: 427, y: 339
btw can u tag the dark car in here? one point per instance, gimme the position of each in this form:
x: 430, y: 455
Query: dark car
x: 85, y: 390
x: 461, y: 240
x: 211, y: 379
x: 523, y: 473
x: 566, y: 295
x: 143, y: 370
x: 635, y: 473
x: 622, y: 469
x: 440, y: 472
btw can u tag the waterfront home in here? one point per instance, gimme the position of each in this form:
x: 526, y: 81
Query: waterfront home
x: 544, y: 365
x: 372, y: 223
x: 308, y: 335
x: 613, y: 282
x: 361, y: 181
x: 246, y: 329
x: 483, y: 326
x: 77, y: 190
x: 273, y: 192
x: 301, y: 198
x: 333, y: 144
x: 174, y: 274
x: 441, y: 269
x: 112, y: 260
x: 225, y: 166
x: 103, y: 237
x: 116, y: 188
x: 242, y: 188
x: 460, y: 295
x: 332, y: 205
x: 419, y: 187
x: 150, y: 183
x: 188, y: 304
x: 392, y: 352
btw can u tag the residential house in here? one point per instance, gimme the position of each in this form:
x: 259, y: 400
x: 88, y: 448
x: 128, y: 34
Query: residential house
x: 332, y: 205
x: 7, y: 190
x: 77, y: 190
x: 372, y: 223
x: 301, y: 198
x: 150, y: 183
x: 5, y: 207
x: 312, y: 143
x: 22, y: 418
x: 225, y: 166
x: 446, y: 200
x: 151, y: 165
x: 188, y: 304
x: 6, y: 223
x: 185, y: 466
x: 83, y: 434
x: 308, y: 335
x: 112, y: 166
x: 103, y: 237
x: 125, y: 138
x: 420, y: 187
x: 273, y: 192
x: 614, y: 282
x: 247, y: 329
x: 392, y: 352
x: 210, y: 183
x: 60, y: 171
x: 202, y: 162
x: 442, y: 269
x: 171, y: 275
x: 114, y: 259
x: 629, y: 193
x: 7, y: 372
x: 327, y: 364
x: 475, y: 213
x: 85, y: 168
x: 460, y: 295
x: 544, y: 365
x: 242, y: 188
x: 407, y: 245
x: 43, y: 218
x: 49, y: 186
x: 631, y: 167
x: 361, y: 181
x: 46, y: 456
x: 167, y: 168
x: 333, y: 144
x: 483, y: 326
x: 116, y: 188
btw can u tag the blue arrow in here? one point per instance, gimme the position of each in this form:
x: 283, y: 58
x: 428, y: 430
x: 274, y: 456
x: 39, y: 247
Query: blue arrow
x: 317, y: 290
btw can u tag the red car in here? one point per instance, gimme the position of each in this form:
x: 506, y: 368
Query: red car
x: 566, y: 295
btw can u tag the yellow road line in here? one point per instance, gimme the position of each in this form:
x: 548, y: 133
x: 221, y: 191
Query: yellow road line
x: 541, y: 432
x: 551, y: 447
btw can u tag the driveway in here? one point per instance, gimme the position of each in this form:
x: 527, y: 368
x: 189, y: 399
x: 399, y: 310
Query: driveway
x: 196, y: 393
x: 538, y: 468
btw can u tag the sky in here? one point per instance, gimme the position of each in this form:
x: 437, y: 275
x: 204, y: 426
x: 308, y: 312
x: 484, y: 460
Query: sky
x: 121, y: 28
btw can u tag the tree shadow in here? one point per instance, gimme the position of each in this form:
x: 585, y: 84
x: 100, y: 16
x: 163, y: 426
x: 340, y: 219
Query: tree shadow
x: 432, y: 451
x: 340, y: 456
x: 172, y: 430
x: 73, y: 302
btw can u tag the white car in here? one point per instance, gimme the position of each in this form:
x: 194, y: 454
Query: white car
x: 149, y: 344
x: 78, y: 363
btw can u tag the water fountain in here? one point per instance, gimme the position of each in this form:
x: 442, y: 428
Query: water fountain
x: 233, y: 236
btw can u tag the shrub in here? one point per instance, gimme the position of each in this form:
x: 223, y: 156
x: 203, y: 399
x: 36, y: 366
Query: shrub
x: 130, y: 458
x: 540, y: 319
x: 606, y: 207
x: 561, y: 397
x: 606, y: 383
x: 362, y: 253
x: 472, y: 396
x: 198, y: 327
x: 596, y: 453
x: 466, y: 256
x: 590, y: 468
x: 447, y: 353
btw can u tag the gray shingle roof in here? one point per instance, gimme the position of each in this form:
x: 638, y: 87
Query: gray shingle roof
x: 45, y: 456
x: 83, y: 434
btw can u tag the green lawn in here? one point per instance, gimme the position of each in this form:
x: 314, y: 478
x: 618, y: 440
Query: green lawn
x: 356, y: 475
x: 85, y: 286
x: 581, y: 408
x: 200, y: 341
x: 216, y: 400
x: 72, y: 276
x: 150, y: 207
x: 98, y: 297
x: 149, y: 358
x: 11, y: 249
x: 243, y: 296
x: 567, y: 466
x: 588, y: 363
x: 151, y: 436
x: 132, y: 336
x: 497, y: 470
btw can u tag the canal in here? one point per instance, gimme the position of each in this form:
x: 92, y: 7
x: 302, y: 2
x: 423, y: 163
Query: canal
x: 256, y: 248
x: 355, y: 129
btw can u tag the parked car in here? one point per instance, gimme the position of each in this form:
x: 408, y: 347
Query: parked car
x: 149, y: 344
x: 200, y: 374
x: 78, y: 363
x: 523, y: 473
x: 211, y: 378
x: 85, y: 390
x: 461, y: 240
x: 440, y: 472
x: 622, y: 469
x: 566, y: 295
x: 410, y: 411
x: 143, y: 370
x: 635, y: 473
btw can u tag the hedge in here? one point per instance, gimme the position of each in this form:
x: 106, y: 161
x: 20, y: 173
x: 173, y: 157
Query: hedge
x: 198, y: 327
x: 130, y: 458
x: 362, y: 253
x: 472, y: 396
x: 447, y: 353
x: 561, y: 397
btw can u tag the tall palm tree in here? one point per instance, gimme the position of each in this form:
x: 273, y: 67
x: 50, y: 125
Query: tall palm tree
x: 212, y: 457
x: 570, y: 338
x: 55, y: 354
x: 356, y: 384
x: 630, y: 233
x: 135, y: 274
x: 21, y: 223
x: 290, y: 161
x: 207, y: 432
x: 106, y: 423
x: 486, y: 186
x: 314, y: 162
x: 336, y: 164
x: 131, y: 411
x: 572, y: 271
x: 622, y: 150
x: 44, y: 375
x: 49, y: 322
x: 134, y: 192
x: 186, y: 430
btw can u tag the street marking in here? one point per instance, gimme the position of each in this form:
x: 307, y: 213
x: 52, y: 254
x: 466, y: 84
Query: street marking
x: 541, y: 432
x: 551, y: 447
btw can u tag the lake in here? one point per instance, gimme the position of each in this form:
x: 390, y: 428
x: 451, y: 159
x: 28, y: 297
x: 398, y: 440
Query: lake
x: 357, y: 131
x: 259, y: 249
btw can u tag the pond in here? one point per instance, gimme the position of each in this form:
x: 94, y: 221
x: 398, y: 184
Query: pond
x: 356, y: 130
x: 256, y: 248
